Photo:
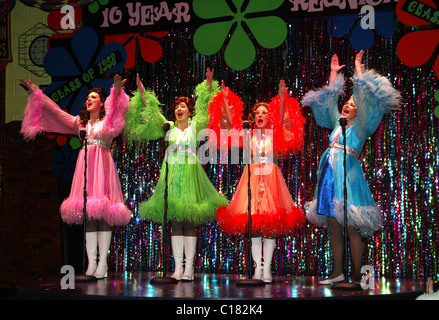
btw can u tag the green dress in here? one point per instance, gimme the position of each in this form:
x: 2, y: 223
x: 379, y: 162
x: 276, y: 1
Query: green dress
x: 191, y: 195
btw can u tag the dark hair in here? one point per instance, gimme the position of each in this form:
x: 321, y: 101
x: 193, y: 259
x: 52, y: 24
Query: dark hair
x: 84, y: 116
x: 189, y: 103
x: 251, y: 115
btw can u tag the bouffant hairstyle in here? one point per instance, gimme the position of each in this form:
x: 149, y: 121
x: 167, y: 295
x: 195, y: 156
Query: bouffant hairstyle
x: 190, y: 105
x: 84, y: 116
x: 251, y: 115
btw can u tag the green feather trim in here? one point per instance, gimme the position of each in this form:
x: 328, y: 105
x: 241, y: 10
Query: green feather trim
x: 144, y: 122
x: 196, y: 213
x: 204, y: 96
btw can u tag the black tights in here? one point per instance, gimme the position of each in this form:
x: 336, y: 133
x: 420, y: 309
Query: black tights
x: 183, y: 229
x: 97, y: 225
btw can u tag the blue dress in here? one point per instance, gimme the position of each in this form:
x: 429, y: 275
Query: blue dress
x: 374, y: 96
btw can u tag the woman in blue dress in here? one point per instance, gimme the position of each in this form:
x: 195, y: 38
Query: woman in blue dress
x: 373, y: 96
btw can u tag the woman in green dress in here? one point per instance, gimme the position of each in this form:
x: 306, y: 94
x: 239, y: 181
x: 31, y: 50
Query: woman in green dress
x: 192, y: 199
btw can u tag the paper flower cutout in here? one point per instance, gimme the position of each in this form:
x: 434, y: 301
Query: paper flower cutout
x: 416, y: 48
x: 60, y: 139
x: 361, y: 39
x: 269, y: 31
x: 94, y: 6
x: 82, y: 65
x: 150, y: 49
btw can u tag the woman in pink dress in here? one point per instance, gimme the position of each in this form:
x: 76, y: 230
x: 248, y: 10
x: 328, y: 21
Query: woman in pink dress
x: 277, y: 129
x: 102, y: 119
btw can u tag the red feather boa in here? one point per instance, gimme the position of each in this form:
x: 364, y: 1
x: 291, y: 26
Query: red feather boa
x: 287, y: 138
x: 215, y: 111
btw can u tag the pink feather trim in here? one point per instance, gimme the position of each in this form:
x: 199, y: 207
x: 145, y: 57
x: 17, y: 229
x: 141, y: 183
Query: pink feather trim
x: 115, y: 110
x: 31, y: 126
x: 72, y: 211
x: 118, y: 215
x: 96, y: 207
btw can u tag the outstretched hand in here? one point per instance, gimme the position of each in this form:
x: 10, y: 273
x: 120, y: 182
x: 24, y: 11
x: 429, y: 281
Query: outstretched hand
x: 118, y: 83
x: 141, y: 88
x: 282, y: 93
x: 282, y: 90
x: 31, y: 87
x: 224, y: 90
x: 225, y: 105
x: 335, y: 64
x: 209, y: 77
x: 139, y: 83
x: 359, y: 63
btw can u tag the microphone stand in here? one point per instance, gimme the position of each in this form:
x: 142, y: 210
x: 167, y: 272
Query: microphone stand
x: 346, y: 284
x: 163, y: 279
x: 84, y: 277
x: 249, y: 282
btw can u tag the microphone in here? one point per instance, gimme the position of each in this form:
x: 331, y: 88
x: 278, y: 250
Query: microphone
x: 166, y: 126
x: 246, y: 125
x: 82, y: 134
x: 343, y: 121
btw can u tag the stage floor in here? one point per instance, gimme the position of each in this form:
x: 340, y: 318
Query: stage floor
x: 136, y: 285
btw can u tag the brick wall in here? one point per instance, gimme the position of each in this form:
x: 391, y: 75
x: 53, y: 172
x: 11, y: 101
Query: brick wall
x: 33, y: 242
x: 30, y: 236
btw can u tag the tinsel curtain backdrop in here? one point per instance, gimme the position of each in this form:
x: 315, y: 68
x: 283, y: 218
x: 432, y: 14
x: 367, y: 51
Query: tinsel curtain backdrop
x: 400, y: 160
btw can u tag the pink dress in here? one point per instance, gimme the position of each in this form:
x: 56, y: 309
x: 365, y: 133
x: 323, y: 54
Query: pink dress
x: 273, y: 211
x: 104, y: 194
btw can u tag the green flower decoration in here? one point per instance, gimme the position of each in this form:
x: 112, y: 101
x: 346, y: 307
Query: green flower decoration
x: 269, y: 31
x: 94, y: 6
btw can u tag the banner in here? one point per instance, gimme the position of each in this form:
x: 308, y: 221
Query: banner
x: 145, y: 16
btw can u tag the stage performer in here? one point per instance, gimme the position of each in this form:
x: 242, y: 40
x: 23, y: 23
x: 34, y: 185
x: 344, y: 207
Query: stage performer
x: 273, y: 212
x: 373, y: 96
x: 192, y: 198
x: 102, y: 119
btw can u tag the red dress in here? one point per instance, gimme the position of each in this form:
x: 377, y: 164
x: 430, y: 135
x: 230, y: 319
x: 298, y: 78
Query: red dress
x: 273, y: 211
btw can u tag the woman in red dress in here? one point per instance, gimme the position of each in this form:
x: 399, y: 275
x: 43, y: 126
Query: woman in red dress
x: 277, y: 129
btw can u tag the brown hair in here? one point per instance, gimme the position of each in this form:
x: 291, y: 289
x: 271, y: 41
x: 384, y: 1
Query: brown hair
x: 251, y: 115
x: 84, y: 116
x: 190, y: 105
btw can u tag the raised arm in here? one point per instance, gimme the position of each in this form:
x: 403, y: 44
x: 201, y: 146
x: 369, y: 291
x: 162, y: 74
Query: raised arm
x: 116, y: 106
x: 225, y: 112
x: 225, y: 105
x: 144, y: 120
x: 42, y: 114
x: 324, y: 101
x: 287, y: 121
x: 335, y: 69
x: 359, y: 64
x: 282, y: 93
x: 209, y: 78
x: 374, y: 96
x: 141, y: 89
x: 118, y: 84
x: 204, y: 92
x: 30, y: 86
